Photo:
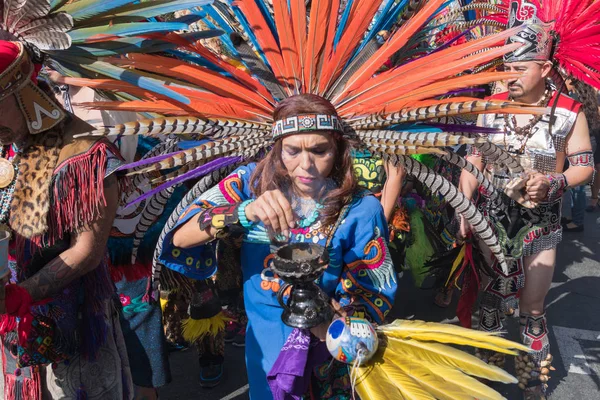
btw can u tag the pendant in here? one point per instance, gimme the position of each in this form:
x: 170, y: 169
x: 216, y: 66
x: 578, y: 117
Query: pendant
x: 7, y: 173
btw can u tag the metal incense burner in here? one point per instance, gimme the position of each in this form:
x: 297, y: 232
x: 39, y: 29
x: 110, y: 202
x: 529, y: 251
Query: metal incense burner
x: 299, y: 265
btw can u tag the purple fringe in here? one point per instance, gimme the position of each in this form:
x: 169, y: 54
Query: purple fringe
x: 201, y: 170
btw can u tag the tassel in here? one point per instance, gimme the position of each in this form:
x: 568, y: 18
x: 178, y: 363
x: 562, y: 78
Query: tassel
x: 81, y: 393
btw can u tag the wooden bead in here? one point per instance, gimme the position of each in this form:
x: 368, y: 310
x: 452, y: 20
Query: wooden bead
x: 522, y: 386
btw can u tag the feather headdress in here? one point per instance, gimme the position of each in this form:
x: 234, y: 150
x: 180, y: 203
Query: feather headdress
x: 220, y: 105
x: 564, y: 32
x: 334, y: 49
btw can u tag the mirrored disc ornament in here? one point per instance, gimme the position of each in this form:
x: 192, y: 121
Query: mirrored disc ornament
x: 7, y: 172
x: 351, y: 338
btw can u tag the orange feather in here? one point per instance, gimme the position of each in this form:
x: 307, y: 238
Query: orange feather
x: 405, y: 84
x: 361, y: 81
x: 320, y: 14
x: 197, y: 107
x: 287, y: 41
x: 427, y: 92
x: 264, y: 37
x: 351, y: 37
x: 109, y: 85
x: 197, y: 75
x: 298, y: 10
x: 240, y: 75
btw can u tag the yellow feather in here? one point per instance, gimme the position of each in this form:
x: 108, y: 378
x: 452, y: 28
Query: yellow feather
x: 447, y: 333
x: 448, y: 357
x: 468, y: 384
x: 434, y: 384
x: 373, y: 384
x: 382, y: 380
x: 457, y: 262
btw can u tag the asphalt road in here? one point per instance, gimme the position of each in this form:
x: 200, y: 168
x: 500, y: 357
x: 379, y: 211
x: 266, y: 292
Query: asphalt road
x: 573, y: 306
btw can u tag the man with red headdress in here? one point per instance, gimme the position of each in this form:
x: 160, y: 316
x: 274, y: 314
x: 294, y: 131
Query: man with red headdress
x: 60, y: 334
x: 537, y: 147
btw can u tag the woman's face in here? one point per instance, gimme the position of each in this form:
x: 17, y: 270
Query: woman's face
x: 308, y: 159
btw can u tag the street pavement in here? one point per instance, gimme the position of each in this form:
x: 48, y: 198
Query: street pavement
x: 573, y: 305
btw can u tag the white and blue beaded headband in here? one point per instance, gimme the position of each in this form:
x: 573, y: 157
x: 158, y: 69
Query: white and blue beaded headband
x: 306, y: 123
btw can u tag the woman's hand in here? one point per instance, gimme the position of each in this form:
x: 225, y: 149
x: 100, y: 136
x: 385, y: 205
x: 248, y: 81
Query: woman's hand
x: 320, y: 331
x: 274, y: 210
x: 537, y: 187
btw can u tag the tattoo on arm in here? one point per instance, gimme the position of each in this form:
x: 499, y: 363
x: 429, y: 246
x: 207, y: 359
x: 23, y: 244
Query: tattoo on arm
x: 51, y: 279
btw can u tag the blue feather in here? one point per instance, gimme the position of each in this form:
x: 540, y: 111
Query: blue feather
x: 414, y: 128
x: 393, y: 15
x: 114, y: 72
x: 268, y: 17
x: 84, y: 35
x: 154, y: 8
x: 221, y: 23
x: 195, y: 59
x: 342, y: 25
x: 376, y: 25
x: 133, y: 45
x: 85, y: 9
x: 249, y: 32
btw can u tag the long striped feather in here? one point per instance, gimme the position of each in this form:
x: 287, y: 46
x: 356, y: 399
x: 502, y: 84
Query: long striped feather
x: 427, y: 139
x: 230, y: 146
x: 439, y: 185
x: 443, y: 108
x: 181, y: 126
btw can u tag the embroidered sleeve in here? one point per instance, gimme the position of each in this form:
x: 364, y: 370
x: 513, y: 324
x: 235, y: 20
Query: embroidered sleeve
x: 199, y: 262
x: 368, y: 284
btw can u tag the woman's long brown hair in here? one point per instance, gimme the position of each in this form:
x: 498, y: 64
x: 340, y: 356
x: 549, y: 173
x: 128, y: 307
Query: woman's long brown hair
x: 270, y: 173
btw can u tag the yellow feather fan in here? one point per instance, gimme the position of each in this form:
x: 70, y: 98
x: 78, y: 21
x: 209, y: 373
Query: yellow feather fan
x: 414, y: 361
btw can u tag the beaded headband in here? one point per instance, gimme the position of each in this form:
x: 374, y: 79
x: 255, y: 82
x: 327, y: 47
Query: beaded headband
x: 306, y: 123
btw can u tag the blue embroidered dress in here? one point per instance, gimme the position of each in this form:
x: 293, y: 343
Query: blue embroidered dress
x: 360, y: 275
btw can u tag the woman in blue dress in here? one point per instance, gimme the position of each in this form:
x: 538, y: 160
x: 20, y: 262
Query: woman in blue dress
x: 303, y: 190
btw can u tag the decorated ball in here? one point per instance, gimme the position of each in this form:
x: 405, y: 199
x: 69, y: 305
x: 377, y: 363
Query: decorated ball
x: 347, y: 337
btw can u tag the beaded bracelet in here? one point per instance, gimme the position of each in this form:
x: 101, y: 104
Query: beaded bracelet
x: 558, y: 184
x: 242, y: 215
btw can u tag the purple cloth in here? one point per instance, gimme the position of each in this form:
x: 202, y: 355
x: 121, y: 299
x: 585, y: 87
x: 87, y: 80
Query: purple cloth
x: 290, y: 376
